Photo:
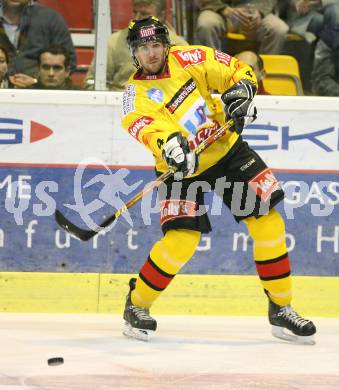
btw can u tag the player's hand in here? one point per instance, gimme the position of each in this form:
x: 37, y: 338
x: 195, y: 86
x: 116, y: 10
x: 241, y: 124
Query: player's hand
x: 177, y: 154
x: 239, y: 105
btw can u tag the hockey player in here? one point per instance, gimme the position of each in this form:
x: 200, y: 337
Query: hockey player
x: 168, y: 107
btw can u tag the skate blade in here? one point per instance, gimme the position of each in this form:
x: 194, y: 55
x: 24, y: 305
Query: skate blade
x: 280, y: 333
x: 136, y: 333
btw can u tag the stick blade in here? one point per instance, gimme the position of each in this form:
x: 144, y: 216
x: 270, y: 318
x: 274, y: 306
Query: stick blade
x: 82, y: 234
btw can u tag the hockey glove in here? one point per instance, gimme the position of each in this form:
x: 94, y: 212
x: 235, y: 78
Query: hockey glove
x: 239, y: 105
x: 177, y: 154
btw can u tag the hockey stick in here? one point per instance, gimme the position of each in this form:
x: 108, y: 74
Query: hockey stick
x: 86, y: 235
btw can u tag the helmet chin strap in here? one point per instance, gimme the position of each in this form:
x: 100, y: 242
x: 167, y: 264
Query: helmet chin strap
x: 136, y: 62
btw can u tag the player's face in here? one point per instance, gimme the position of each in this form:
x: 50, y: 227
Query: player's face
x: 52, y: 71
x: 151, y: 56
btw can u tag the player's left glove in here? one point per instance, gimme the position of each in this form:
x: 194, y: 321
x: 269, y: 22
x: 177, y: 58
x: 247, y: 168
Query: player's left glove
x: 177, y: 153
x: 239, y: 105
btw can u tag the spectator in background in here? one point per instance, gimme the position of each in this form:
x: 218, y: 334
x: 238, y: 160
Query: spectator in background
x: 26, y: 28
x: 257, y: 64
x: 313, y: 20
x: 4, y: 81
x: 54, y: 69
x: 310, y: 18
x: 325, y: 75
x: 254, y: 18
x: 119, y: 63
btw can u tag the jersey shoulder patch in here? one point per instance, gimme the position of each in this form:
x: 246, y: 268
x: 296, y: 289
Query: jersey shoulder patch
x: 190, y: 57
x: 222, y: 57
x: 135, y: 127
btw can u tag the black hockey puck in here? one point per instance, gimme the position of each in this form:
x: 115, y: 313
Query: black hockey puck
x: 55, y: 361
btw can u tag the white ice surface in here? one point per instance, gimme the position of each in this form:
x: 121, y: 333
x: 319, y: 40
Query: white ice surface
x: 185, y: 353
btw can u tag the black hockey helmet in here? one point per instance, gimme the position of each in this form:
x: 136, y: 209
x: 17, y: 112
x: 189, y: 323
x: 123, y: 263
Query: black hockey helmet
x: 145, y: 30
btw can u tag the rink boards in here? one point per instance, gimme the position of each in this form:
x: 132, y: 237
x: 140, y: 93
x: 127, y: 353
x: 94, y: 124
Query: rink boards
x: 31, y: 240
x: 42, y: 146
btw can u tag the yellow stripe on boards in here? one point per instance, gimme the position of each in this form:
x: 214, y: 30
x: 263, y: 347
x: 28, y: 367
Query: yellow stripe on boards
x: 37, y: 292
x: 233, y: 295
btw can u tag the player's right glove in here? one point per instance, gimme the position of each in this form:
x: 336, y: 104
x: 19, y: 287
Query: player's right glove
x: 239, y: 105
x: 177, y: 153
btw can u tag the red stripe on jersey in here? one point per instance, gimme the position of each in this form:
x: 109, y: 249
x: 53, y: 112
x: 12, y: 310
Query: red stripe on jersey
x: 154, y: 277
x: 273, y: 268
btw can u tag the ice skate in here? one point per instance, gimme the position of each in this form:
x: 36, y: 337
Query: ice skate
x: 289, y: 325
x: 138, y: 323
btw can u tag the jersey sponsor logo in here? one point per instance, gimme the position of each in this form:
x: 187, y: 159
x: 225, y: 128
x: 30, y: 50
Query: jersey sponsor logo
x: 247, y: 165
x: 196, y: 116
x: 190, y: 57
x: 222, y: 57
x: 176, y: 208
x: 264, y: 184
x: 135, y: 128
x: 181, y: 95
x: 15, y: 131
x: 128, y: 99
x: 147, y: 32
x: 202, y: 134
x: 156, y: 95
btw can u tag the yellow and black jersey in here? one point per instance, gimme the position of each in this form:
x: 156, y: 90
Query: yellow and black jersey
x: 180, y: 99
